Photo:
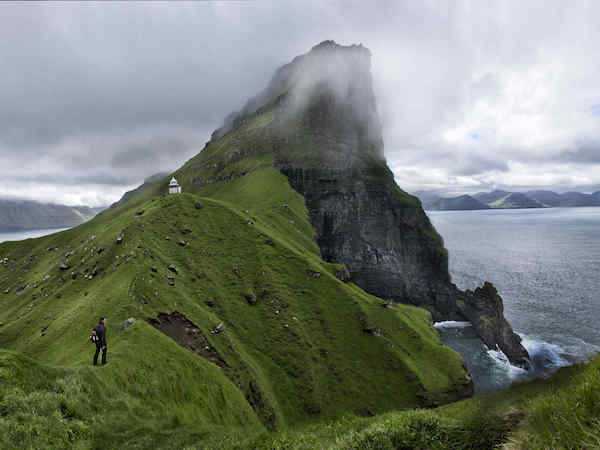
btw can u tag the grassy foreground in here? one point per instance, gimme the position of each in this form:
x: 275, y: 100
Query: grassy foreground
x: 78, y: 408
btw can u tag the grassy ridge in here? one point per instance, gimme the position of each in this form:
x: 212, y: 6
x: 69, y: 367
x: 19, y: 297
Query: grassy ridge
x: 300, y: 354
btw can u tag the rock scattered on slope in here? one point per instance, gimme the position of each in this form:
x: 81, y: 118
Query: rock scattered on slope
x: 218, y: 329
x: 250, y: 298
x: 343, y: 274
x: 127, y: 323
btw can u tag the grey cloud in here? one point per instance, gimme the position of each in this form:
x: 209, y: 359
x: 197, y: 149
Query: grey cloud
x: 61, y: 180
x: 96, y: 96
x: 585, y: 152
x: 146, y: 153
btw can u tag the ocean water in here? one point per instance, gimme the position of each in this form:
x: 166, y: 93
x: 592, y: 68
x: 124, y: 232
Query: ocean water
x: 546, y: 265
x: 20, y: 235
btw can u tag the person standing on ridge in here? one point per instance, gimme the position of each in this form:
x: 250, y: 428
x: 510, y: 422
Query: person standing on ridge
x: 99, y: 334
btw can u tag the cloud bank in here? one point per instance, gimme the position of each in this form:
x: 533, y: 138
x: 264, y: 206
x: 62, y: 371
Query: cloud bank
x: 95, y: 97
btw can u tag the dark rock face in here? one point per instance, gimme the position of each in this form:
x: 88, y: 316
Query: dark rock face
x: 389, y: 246
x: 484, y: 309
x: 331, y: 149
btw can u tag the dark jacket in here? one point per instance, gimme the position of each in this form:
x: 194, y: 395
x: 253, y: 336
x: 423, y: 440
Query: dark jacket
x: 101, y: 333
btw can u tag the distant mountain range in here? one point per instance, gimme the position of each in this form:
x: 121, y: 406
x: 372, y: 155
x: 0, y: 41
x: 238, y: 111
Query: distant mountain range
x: 28, y: 215
x: 508, y: 200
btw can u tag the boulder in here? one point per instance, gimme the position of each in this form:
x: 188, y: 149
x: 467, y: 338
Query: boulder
x: 218, y: 329
x: 373, y: 331
x: 127, y: 323
x: 250, y: 298
x: 198, y: 205
x: 343, y: 274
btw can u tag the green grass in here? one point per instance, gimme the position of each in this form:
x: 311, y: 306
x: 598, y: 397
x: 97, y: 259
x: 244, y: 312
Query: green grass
x: 558, y: 413
x: 302, y: 348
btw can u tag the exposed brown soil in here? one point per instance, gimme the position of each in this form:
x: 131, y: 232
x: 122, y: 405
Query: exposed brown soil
x: 187, y: 334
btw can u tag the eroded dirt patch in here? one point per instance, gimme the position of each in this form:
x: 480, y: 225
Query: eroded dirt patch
x: 187, y: 334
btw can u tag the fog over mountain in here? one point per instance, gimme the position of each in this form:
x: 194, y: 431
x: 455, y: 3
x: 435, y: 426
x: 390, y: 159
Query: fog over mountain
x: 473, y: 96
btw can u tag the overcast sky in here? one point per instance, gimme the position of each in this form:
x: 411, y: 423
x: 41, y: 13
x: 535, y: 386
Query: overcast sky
x: 472, y: 95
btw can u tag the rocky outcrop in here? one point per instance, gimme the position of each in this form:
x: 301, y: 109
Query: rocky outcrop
x: 483, y: 307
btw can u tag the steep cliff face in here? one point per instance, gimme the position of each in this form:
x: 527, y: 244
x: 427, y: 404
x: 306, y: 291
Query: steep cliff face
x: 326, y: 138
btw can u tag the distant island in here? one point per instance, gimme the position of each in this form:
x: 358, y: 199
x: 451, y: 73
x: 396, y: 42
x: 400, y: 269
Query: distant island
x: 16, y: 215
x: 499, y: 199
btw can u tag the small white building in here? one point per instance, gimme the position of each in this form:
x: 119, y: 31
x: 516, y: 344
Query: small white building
x: 174, y: 187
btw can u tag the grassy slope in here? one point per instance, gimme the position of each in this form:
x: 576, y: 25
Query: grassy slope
x: 558, y: 413
x: 301, y: 352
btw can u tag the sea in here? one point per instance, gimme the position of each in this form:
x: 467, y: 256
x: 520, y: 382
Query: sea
x: 546, y: 266
x: 28, y: 234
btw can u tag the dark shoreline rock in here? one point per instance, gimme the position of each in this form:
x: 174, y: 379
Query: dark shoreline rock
x: 484, y: 308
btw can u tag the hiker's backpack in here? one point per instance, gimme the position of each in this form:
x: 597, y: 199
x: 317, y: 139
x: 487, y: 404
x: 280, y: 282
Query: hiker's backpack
x: 94, y: 337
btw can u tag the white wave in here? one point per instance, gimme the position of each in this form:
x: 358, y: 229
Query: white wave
x: 545, y: 358
x: 503, y: 365
x: 451, y: 324
x: 546, y: 353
